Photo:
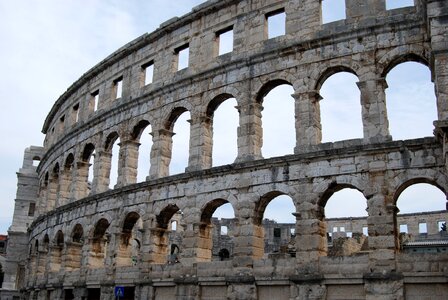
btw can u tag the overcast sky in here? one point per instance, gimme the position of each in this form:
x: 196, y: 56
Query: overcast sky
x: 46, y: 45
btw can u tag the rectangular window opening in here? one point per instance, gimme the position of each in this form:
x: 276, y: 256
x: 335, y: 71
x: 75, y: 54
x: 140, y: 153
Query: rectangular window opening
x: 342, y: 229
x: 75, y: 112
x: 224, y: 230
x: 292, y: 231
x: 277, y: 232
x: 403, y: 228
x: 95, y: 98
x: 183, y: 56
x: 365, y: 231
x: 276, y: 23
x: 393, y: 4
x: 31, y: 209
x: 225, y: 40
x: 335, y: 229
x: 422, y: 228
x: 333, y: 10
x: 118, y: 88
x: 349, y: 234
x: 148, y: 73
x: 441, y: 225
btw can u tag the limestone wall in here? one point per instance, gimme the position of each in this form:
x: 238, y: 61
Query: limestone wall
x: 86, y: 238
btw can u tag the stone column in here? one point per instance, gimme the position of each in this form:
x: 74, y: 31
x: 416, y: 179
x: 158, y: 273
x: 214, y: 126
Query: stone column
x: 127, y: 163
x: 441, y: 84
x: 311, y: 239
x: 80, y: 187
x: 161, y: 153
x: 64, y: 187
x: 374, y: 111
x: 250, y: 132
x: 197, y: 243
x: 308, y: 125
x: 201, y: 143
x: 157, y: 248
x: 52, y: 192
x: 101, y: 172
x: 248, y: 236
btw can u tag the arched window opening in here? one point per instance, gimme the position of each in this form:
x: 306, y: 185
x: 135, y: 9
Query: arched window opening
x: 42, y: 254
x: 421, y: 216
x: 100, y: 240
x: 114, y: 163
x: 142, y: 133
x: 65, y: 182
x: 173, y: 225
x: 224, y: 130
x: 340, y: 107
x: 224, y: 254
x: 346, y: 221
x: 181, y: 143
x: 53, y: 187
x: 222, y: 224
x: 411, y: 102
x: 74, y: 248
x: 162, y: 237
x: 332, y: 10
x: 56, y: 252
x: 88, y: 157
x: 36, y: 161
x: 131, y: 237
x: 278, y: 119
x: 275, y: 213
x: 393, y: 4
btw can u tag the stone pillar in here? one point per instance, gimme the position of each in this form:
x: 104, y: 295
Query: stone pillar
x: 201, y: 143
x: 52, y: 192
x: 250, y: 132
x: 197, y: 243
x: 161, y: 153
x: 80, y: 187
x: 374, y: 111
x: 248, y: 236
x: 101, y: 172
x: 308, y: 125
x: 381, y: 225
x: 158, y: 247
x: 311, y: 239
x: 127, y: 163
x: 441, y: 84
x: 64, y: 187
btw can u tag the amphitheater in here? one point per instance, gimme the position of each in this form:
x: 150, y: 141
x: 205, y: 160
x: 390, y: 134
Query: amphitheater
x: 75, y: 239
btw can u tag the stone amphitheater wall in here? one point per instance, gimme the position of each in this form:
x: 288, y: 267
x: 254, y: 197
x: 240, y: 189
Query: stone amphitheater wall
x: 86, y: 239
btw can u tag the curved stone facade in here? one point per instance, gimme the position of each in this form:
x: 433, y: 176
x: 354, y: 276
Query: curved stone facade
x: 85, y: 238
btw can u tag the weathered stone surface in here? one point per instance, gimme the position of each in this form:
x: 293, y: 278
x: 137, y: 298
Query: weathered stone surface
x: 84, y: 238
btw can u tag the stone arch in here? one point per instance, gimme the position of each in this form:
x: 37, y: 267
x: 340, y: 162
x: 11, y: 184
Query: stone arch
x: 99, y: 242
x: 53, y: 186
x: 110, y: 140
x: 138, y: 129
x: 205, y: 228
x: 216, y: 101
x: 394, y: 57
x: 159, y: 235
x: 57, y: 251
x: 411, y: 181
x: 130, y: 241
x: 269, y: 86
x: 69, y: 161
x: 74, y: 248
x: 229, y: 91
x: 333, y: 187
x: 262, y: 203
x: 87, y: 152
x: 173, y: 116
x: 77, y: 234
x: 328, y: 72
